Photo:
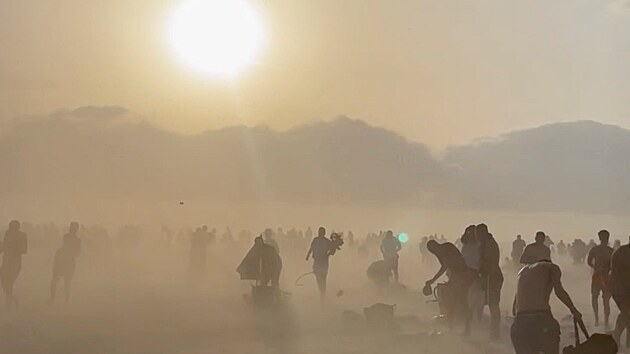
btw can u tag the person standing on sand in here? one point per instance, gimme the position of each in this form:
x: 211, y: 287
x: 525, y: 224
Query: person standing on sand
x: 491, y: 276
x: 620, y: 289
x: 321, y: 250
x: 599, y: 258
x: 536, y: 251
x: 470, y: 248
x: 518, y: 246
x: 562, y: 248
x: 389, y: 248
x: 270, y: 240
x: 534, y: 329
x: 65, y: 261
x: 14, y: 246
x: 263, y: 264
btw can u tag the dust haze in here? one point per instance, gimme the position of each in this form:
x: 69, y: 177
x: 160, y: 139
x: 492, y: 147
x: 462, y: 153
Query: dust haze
x: 166, y: 167
x: 140, y: 193
x: 135, y: 292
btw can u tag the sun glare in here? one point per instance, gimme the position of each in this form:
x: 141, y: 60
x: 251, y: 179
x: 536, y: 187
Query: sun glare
x: 216, y: 37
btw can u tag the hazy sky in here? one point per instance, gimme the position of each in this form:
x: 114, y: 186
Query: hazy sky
x: 439, y: 72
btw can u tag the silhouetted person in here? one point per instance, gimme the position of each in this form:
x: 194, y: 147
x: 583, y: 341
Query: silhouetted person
x: 620, y: 288
x: 518, y: 246
x: 534, y: 329
x: 491, y: 276
x: 351, y: 241
x: 321, y: 248
x: 579, y: 251
x: 617, y: 244
x: 389, y: 248
x: 471, y: 251
x: 228, y: 238
x: 562, y: 248
x: 65, y: 261
x: 460, y: 278
x: 598, y: 259
x: 536, y: 251
x: 269, y: 239
x: 199, y: 241
x: 14, y: 246
x: 471, y: 248
x: 262, y: 263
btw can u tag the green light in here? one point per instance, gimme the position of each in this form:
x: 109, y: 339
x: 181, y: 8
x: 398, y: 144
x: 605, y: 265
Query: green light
x: 403, y: 237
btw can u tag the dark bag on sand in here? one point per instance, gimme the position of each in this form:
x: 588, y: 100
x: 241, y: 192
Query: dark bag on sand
x: 379, y: 314
x: 379, y: 273
x: 596, y: 344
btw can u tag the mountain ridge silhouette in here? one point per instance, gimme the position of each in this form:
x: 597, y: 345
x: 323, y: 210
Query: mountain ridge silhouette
x: 99, y: 153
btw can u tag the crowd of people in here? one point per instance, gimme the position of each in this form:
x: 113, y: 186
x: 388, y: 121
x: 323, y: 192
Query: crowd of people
x: 472, y: 265
x: 474, y: 268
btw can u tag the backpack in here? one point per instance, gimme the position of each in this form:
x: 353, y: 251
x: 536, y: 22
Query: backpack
x: 598, y: 343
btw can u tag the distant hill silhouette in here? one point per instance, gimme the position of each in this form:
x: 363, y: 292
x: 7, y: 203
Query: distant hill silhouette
x: 575, y: 166
x: 97, y: 152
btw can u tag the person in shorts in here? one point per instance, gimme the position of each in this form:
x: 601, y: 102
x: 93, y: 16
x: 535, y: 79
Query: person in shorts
x: 598, y: 259
x: 535, y: 330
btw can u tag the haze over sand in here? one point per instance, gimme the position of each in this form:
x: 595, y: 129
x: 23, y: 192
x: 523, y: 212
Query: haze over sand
x: 419, y: 116
x: 102, y: 164
x: 143, y: 299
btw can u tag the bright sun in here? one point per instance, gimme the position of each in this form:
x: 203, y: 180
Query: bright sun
x: 216, y: 37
